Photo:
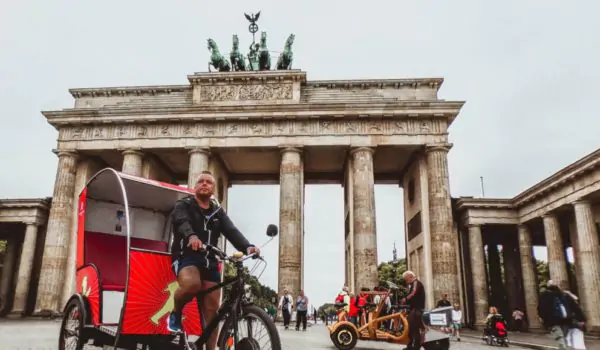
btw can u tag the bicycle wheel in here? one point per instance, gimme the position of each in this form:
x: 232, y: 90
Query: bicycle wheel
x: 256, y: 331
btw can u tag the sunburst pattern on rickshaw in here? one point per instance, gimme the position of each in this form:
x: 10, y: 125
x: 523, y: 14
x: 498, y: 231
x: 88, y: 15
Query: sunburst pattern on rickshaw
x: 150, y: 297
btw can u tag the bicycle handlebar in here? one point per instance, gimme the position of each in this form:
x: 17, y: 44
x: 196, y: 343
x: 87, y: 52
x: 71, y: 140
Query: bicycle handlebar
x: 235, y: 257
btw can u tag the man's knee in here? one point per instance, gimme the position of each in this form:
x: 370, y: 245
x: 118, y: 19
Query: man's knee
x: 189, y: 280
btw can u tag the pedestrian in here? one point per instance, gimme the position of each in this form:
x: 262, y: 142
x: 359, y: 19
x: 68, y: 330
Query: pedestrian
x: 444, y: 302
x: 518, y: 319
x: 301, y: 311
x: 575, y: 335
x: 285, y: 305
x: 456, y: 321
x: 416, y: 303
x: 553, y: 309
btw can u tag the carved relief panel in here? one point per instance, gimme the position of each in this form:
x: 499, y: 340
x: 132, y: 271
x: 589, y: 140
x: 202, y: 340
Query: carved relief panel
x: 252, y: 92
x: 258, y: 128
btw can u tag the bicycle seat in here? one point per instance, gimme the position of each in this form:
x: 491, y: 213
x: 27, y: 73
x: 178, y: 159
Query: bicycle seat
x: 340, y: 305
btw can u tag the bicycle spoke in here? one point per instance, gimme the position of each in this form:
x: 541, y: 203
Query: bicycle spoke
x: 254, y: 331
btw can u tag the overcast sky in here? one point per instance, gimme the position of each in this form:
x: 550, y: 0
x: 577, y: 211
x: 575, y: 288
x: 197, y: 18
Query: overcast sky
x: 529, y: 71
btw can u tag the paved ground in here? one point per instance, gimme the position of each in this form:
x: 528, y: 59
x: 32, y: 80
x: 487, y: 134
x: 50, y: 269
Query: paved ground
x: 42, y: 335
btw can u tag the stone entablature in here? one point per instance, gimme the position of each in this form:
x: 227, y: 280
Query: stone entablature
x: 27, y: 211
x: 571, y: 183
x: 259, y: 88
x: 481, y: 211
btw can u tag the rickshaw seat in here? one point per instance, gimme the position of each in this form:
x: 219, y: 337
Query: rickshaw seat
x: 109, y: 254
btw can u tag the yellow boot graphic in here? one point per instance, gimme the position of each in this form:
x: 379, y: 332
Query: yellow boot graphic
x: 169, y: 303
x: 85, y: 290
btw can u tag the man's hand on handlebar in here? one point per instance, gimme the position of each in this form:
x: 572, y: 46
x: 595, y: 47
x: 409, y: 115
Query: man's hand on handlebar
x: 194, y: 242
x: 254, y: 250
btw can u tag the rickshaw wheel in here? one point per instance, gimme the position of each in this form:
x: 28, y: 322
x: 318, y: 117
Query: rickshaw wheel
x: 344, y: 337
x: 72, y: 325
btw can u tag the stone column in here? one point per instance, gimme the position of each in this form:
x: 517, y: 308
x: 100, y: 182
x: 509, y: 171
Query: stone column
x: 496, y: 286
x: 290, y: 220
x: 54, y: 261
x: 557, y: 261
x: 25, y: 269
x: 587, y: 250
x: 133, y: 160
x: 480, y: 288
x: 199, y: 162
x: 365, y: 230
x: 86, y: 168
x: 443, y: 251
x: 512, y: 274
x: 8, y: 270
x: 530, y: 287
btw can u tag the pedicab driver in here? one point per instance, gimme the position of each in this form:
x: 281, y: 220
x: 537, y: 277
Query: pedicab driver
x: 196, y: 220
x: 416, y: 303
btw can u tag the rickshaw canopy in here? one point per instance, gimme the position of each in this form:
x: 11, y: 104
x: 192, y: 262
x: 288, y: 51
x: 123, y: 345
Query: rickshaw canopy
x: 109, y: 185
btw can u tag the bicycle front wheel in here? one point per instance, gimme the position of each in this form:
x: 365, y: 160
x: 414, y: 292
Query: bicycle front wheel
x: 255, y: 330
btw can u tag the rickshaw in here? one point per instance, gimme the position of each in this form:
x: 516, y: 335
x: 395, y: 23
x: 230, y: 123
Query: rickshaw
x: 345, y: 334
x: 124, y: 281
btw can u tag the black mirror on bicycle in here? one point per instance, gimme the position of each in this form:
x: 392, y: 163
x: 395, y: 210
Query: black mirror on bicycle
x: 272, y: 230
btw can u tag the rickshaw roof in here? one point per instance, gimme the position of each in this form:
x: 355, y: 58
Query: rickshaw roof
x: 113, y: 186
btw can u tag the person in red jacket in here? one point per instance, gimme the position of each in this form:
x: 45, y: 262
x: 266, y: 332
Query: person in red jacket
x: 353, y: 313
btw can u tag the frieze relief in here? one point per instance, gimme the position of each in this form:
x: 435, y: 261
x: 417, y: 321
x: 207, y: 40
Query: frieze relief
x: 252, y: 129
x: 254, y: 92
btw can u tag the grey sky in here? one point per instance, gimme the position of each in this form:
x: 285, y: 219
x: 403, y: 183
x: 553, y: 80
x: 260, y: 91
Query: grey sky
x: 527, y: 69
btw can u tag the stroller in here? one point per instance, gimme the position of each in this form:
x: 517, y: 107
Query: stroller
x: 496, y: 332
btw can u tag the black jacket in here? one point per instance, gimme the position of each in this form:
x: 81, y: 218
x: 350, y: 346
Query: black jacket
x: 547, y: 309
x: 416, y: 295
x: 189, y: 219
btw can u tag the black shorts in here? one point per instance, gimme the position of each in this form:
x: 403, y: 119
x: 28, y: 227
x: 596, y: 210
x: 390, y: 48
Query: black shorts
x: 206, y: 274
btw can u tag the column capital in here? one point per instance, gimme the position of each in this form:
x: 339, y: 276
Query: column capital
x: 32, y: 222
x: 438, y: 147
x: 136, y: 151
x: 581, y: 201
x: 548, y: 215
x: 290, y: 148
x: 357, y: 149
x: 203, y: 150
x: 66, y: 153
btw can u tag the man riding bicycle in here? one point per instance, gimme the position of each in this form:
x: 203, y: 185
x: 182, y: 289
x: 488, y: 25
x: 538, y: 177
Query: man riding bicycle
x: 198, y: 220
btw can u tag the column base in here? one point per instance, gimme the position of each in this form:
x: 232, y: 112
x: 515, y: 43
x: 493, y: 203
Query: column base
x: 16, y: 314
x: 51, y: 314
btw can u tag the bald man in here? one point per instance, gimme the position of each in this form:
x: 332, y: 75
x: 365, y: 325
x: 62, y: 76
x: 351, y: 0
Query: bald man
x: 416, y: 303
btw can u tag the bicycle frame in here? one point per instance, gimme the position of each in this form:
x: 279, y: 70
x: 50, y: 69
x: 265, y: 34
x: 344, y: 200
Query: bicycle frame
x: 229, y: 307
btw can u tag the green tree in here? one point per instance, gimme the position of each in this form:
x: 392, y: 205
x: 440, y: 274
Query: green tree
x: 263, y: 296
x: 327, y: 309
x: 543, y: 274
x: 391, y: 271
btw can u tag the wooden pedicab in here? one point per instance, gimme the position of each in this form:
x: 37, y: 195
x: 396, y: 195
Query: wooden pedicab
x: 372, y: 326
x: 125, y: 284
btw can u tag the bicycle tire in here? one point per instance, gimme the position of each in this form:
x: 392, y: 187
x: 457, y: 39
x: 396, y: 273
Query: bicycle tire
x: 258, y: 313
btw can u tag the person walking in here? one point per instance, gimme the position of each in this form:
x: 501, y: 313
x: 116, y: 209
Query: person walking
x: 456, y: 321
x: 518, y: 319
x: 553, y: 309
x: 301, y: 311
x: 575, y: 335
x: 285, y: 305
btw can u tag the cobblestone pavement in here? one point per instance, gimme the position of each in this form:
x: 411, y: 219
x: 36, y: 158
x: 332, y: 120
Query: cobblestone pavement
x: 42, y: 335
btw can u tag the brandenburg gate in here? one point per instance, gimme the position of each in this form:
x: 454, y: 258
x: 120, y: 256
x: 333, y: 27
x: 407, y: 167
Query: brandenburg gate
x: 253, y: 122
x: 257, y: 124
